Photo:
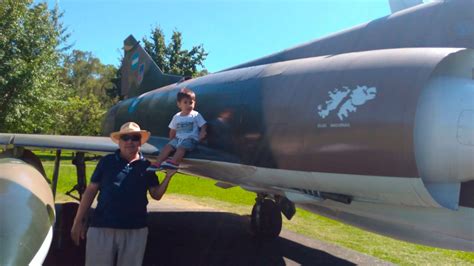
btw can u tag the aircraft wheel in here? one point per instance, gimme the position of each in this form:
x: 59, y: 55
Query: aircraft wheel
x: 266, y: 219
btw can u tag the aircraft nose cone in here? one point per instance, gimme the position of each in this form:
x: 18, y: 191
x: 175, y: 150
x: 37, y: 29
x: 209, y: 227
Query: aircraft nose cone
x: 25, y: 218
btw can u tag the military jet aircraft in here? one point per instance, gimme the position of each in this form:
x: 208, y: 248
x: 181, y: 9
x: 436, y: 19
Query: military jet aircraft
x: 372, y: 126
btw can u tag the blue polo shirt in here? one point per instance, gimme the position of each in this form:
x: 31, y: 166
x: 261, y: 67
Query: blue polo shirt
x: 122, y: 192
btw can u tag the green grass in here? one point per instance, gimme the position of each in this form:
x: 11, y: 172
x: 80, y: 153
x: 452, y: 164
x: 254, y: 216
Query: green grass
x: 237, y: 200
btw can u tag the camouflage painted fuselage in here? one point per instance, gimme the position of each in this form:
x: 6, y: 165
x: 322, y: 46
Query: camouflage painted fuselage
x: 319, y: 115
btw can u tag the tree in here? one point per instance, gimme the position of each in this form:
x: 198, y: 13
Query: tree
x: 31, y: 39
x: 114, y: 92
x: 86, y: 75
x: 156, y: 48
x: 172, y: 58
x: 81, y: 116
x: 92, y: 92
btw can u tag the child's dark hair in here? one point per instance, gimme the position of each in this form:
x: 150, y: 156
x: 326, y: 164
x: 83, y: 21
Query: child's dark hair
x: 186, y: 93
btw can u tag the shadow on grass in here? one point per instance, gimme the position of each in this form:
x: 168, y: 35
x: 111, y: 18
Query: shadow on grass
x: 66, y: 156
x: 209, y: 238
x: 47, y: 156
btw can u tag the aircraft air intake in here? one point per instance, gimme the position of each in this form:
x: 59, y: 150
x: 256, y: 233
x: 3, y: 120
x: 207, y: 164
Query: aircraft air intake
x: 444, y: 129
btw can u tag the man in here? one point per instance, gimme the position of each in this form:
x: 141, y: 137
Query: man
x: 118, y: 229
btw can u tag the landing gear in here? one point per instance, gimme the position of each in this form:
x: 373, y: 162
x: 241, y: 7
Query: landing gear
x: 266, y: 219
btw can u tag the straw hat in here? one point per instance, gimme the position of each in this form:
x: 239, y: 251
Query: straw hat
x: 130, y: 128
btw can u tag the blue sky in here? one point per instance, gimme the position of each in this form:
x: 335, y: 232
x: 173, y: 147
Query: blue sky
x: 232, y: 31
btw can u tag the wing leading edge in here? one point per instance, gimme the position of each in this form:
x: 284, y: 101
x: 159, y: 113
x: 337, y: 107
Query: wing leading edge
x: 102, y: 145
x: 74, y: 143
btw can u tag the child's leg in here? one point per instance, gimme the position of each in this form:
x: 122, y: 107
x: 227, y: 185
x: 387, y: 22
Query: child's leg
x: 181, y: 148
x: 178, y: 155
x: 164, y: 153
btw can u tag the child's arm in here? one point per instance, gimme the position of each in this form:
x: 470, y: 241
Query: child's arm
x: 172, y: 133
x: 203, y: 132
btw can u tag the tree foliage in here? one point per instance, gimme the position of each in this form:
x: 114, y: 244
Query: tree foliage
x: 114, y: 92
x: 172, y: 58
x: 46, y: 89
x: 31, y: 90
x: 82, y: 116
x: 90, y: 82
x: 87, y: 76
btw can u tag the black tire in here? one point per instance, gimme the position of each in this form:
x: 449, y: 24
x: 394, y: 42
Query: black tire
x: 266, y: 221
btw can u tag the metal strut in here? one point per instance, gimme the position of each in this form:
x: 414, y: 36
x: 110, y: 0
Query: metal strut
x: 57, y: 162
x: 80, y: 163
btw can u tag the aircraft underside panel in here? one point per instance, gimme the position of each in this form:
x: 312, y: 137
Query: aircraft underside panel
x: 377, y: 189
x: 424, y: 226
x: 398, y: 207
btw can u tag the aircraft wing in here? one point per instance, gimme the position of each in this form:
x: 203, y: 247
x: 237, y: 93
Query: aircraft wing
x: 74, y: 143
x: 101, y: 145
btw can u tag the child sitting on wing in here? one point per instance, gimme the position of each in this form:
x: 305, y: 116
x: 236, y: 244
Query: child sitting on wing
x: 187, y: 128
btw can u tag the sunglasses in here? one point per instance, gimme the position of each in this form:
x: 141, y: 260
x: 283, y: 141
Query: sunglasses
x: 130, y: 137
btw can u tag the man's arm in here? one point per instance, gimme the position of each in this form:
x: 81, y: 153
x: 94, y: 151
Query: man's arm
x: 157, y: 192
x: 78, y: 230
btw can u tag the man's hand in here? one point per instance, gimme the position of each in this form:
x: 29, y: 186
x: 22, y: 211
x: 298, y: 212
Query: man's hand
x: 79, y: 229
x: 78, y: 232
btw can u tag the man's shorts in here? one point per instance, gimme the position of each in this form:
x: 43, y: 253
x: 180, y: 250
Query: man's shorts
x: 187, y: 144
x: 124, y: 246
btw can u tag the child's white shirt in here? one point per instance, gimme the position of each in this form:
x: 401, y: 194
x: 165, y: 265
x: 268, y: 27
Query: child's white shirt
x: 187, y: 126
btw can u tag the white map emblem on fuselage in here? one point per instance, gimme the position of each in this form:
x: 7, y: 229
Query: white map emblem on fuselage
x: 346, y: 100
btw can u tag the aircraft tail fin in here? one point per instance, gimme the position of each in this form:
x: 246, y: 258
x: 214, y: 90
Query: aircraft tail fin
x: 140, y: 73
